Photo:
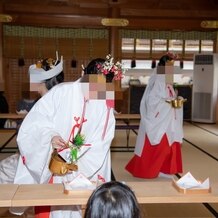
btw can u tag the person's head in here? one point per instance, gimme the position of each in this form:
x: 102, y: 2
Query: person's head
x: 46, y: 74
x: 93, y: 68
x: 50, y: 82
x: 107, y: 67
x: 98, y: 78
x: 112, y: 200
x: 165, y: 68
x: 167, y: 59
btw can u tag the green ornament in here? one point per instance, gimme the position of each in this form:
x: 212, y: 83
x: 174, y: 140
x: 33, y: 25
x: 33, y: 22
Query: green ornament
x: 74, y: 152
x: 79, y: 140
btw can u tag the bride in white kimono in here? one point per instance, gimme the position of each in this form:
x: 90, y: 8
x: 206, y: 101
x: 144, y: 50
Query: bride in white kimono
x: 41, y: 81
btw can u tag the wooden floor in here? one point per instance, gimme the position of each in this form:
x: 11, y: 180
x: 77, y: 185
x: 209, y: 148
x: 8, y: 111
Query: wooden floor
x: 200, y: 157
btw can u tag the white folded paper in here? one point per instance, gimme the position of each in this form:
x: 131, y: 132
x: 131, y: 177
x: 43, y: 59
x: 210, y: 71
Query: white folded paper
x: 189, y: 182
x: 65, y: 154
x: 80, y: 182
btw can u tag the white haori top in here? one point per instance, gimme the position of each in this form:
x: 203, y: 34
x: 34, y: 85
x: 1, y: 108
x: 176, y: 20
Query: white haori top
x: 157, y: 116
x: 54, y: 114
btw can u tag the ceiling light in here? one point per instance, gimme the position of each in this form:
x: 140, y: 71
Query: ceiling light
x: 5, y: 18
x: 209, y: 24
x: 114, y: 22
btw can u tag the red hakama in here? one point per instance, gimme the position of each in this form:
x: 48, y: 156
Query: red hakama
x: 155, y: 159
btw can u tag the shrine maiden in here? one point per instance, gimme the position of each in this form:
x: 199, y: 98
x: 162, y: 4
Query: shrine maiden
x: 158, y: 145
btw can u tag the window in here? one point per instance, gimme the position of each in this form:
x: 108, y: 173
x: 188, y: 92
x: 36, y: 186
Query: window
x: 143, y: 45
x: 176, y: 45
x: 127, y: 45
x: 159, y: 45
x: 207, y: 46
x: 154, y: 48
x: 192, y: 46
x: 140, y: 64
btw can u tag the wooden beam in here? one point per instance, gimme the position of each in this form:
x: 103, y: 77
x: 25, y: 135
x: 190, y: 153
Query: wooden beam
x: 1, y: 57
x: 161, y: 13
x: 58, y: 21
x: 147, y: 14
x: 54, y: 10
x: 95, y: 22
x: 165, y: 24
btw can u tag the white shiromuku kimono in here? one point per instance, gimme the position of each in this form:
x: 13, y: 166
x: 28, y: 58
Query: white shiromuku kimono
x: 8, y: 167
x: 54, y: 115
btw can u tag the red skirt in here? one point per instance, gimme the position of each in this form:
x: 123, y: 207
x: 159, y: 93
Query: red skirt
x: 155, y: 159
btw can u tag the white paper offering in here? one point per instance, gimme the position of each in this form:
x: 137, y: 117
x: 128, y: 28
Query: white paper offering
x: 189, y: 182
x: 65, y: 154
x: 78, y: 183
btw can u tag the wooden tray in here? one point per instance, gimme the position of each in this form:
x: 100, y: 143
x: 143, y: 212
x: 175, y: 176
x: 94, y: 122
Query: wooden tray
x: 78, y: 192
x: 190, y: 191
x: 81, y: 191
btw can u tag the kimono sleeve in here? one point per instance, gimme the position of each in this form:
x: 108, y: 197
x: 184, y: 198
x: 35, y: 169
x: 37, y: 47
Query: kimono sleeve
x: 34, y: 137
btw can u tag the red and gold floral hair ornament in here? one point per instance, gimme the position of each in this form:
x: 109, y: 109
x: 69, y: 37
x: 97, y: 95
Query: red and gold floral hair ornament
x: 172, y: 55
x: 110, y: 67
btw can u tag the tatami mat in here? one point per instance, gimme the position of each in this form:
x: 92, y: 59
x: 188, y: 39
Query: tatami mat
x: 201, y: 138
x: 5, y: 135
x: 200, y: 154
x: 213, y: 128
x: 199, y: 163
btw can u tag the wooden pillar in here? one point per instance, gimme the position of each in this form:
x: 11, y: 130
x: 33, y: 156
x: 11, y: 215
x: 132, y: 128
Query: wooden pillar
x: 216, y: 51
x: 114, y: 48
x: 114, y: 42
x: 1, y: 54
x: 114, y: 35
x: 216, y: 44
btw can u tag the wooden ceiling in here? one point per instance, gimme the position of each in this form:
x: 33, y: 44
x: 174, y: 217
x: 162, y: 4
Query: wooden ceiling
x: 142, y: 14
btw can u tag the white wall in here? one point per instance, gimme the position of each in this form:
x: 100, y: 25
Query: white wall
x: 181, y: 76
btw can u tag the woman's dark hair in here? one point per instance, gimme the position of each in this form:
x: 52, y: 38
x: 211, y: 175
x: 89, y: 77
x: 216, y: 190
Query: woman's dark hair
x: 112, y: 200
x: 49, y: 83
x: 92, y: 69
x: 163, y: 60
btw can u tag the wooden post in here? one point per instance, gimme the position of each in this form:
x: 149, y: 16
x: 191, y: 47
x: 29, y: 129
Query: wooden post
x: 114, y: 46
x: 1, y: 49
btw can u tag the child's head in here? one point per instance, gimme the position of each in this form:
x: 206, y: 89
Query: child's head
x: 111, y: 200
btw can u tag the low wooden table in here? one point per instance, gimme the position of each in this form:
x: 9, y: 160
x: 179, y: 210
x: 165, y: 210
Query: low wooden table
x: 48, y: 194
x: 163, y: 192
x: 127, y: 116
x: 148, y: 192
x: 128, y: 122
x: 7, y: 192
x: 123, y: 122
x: 12, y: 116
x: 117, y: 116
